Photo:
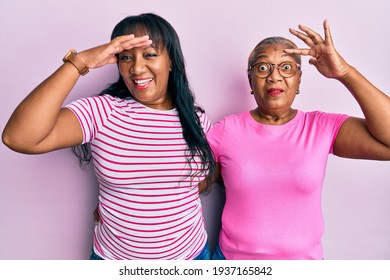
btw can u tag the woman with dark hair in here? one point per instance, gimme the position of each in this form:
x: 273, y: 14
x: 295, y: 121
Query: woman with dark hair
x: 146, y: 137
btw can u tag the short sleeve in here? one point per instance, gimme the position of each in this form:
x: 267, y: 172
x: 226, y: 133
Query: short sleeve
x: 91, y: 112
x: 331, y: 123
x: 204, y: 121
x: 214, y: 137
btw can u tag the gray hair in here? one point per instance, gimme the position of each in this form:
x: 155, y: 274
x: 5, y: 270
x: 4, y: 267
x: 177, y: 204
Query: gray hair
x: 267, y: 42
x: 272, y: 41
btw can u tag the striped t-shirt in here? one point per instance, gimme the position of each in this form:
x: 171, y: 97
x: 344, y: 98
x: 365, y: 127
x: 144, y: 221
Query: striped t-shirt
x: 148, y: 202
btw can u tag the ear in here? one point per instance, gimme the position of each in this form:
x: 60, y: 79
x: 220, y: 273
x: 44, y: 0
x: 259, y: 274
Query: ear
x: 299, y: 81
x: 170, y: 65
x: 251, y: 88
x: 250, y: 82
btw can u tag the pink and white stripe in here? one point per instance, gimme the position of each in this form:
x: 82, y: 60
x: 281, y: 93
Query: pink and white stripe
x: 149, y: 203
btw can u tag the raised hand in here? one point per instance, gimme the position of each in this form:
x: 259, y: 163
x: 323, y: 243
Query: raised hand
x: 322, y: 51
x: 105, y: 54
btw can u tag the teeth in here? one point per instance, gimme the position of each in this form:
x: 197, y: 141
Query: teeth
x: 142, y: 82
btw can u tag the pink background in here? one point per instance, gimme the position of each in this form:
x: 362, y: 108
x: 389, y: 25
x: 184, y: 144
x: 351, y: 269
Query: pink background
x: 46, y: 201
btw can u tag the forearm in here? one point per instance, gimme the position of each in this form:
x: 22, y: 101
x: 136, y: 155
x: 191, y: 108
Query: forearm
x: 37, y: 114
x: 38, y: 124
x: 373, y: 102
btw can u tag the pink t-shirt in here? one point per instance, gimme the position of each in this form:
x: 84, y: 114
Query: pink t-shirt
x: 273, y: 176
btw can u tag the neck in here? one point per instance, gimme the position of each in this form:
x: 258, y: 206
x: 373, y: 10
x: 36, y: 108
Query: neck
x: 273, y: 118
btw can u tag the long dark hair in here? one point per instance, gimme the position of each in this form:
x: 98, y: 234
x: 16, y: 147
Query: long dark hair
x: 163, y: 35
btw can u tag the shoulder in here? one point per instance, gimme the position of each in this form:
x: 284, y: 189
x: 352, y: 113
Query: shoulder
x: 230, y: 122
x: 116, y: 101
x: 100, y: 100
x: 327, y: 121
x: 235, y: 119
x: 119, y: 104
x: 324, y: 117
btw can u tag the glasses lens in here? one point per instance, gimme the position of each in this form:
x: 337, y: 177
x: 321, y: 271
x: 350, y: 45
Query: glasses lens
x: 286, y: 69
x: 263, y: 69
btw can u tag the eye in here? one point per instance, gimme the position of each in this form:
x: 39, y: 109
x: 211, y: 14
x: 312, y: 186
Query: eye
x: 286, y: 67
x: 150, y: 55
x: 263, y: 67
x: 125, y: 57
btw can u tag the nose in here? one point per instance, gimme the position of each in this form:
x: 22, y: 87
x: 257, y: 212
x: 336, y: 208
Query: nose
x: 274, y: 76
x: 138, y: 66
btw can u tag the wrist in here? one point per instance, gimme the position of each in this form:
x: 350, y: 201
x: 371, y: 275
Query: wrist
x: 348, y: 75
x: 72, y: 58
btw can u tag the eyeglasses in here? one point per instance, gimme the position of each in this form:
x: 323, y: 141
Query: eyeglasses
x: 286, y: 69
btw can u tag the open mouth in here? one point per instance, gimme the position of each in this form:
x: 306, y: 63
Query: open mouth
x: 142, y: 83
x: 275, y: 91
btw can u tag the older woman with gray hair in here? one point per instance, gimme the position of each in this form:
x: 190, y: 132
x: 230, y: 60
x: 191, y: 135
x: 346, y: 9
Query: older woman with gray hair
x: 273, y: 158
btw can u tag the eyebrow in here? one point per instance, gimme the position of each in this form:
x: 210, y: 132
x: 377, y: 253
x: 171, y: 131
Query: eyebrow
x: 260, y: 56
x: 155, y: 47
x: 266, y: 56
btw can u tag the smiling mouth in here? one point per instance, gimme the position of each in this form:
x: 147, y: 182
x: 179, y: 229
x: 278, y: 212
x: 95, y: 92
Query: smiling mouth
x: 142, y: 83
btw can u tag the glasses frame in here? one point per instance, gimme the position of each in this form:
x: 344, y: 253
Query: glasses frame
x: 272, y: 68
